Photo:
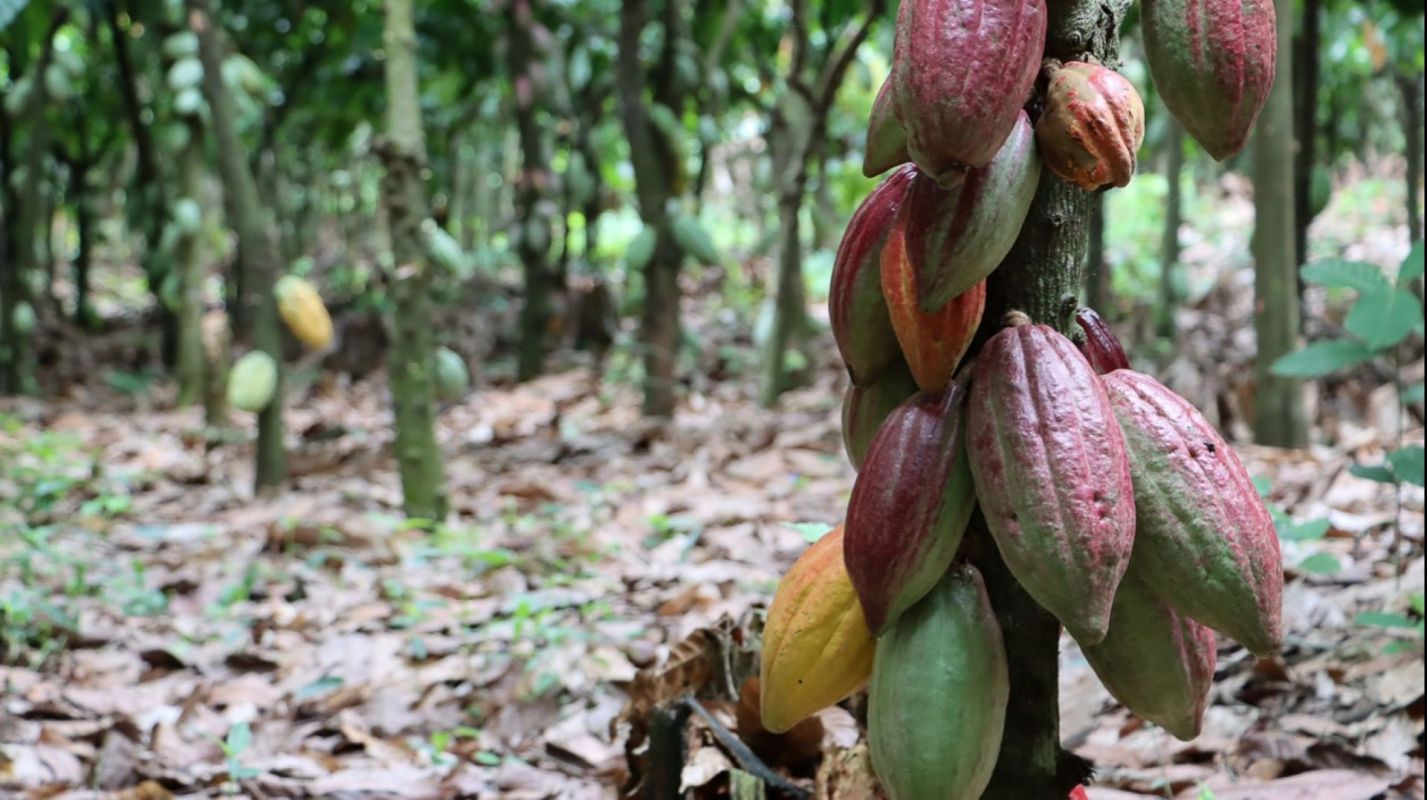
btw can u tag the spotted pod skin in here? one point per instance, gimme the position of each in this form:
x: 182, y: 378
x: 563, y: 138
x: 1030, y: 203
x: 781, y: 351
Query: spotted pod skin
x: 1157, y: 662
x: 963, y: 70
x: 865, y: 407
x: 1092, y: 127
x: 1213, y: 63
x: 817, y: 649
x: 1101, y: 347
x: 1052, y: 474
x: 956, y: 237
x: 856, y: 308
x: 1205, y: 541
x: 909, y: 506
x: 886, y: 141
x: 937, y: 700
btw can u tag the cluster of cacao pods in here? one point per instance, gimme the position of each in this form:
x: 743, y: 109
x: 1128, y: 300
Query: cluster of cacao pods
x: 1109, y: 498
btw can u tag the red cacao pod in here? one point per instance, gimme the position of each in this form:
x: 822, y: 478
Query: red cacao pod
x: 886, y: 141
x: 1205, y: 541
x: 932, y: 343
x: 865, y: 407
x: 1213, y: 64
x: 1101, y: 347
x: 1092, y: 127
x: 1052, y: 474
x: 1156, y: 661
x: 958, y: 236
x: 856, y: 308
x: 909, y: 506
x: 963, y: 70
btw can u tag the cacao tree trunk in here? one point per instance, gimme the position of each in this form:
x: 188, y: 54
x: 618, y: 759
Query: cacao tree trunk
x: 1097, y: 279
x: 411, y: 364
x: 1278, y: 402
x: 790, y: 313
x: 192, y: 361
x: 84, y: 223
x: 533, y: 215
x: 1169, y: 244
x: 257, y: 246
x: 1410, y: 87
x: 1305, y: 132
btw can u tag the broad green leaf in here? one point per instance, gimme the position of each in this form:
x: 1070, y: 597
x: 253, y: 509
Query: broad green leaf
x: 1336, y: 273
x: 9, y: 9
x: 1320, y: 564
x: 1382, y: 318
x: 1413, y: 393
x: 1411, y: 266
x: 1262, y: 484
x: 1322, y: 358
x: 1384, y: 619
x: 1407, y: 463
x: 811, y: 531
x: 1309, y: 531
x: 1374, y: 472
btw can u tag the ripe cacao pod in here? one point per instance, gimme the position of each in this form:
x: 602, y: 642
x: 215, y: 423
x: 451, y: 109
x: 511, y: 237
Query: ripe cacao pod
x: 1092, y: 126
x: 937, y: 700
x: 856, y: 308
x: 1101, y: 347
x: 909, y: 506
x: 865, y: 407
x: 962, y: 71
x: 1052, y: 473
x: 886, y: 141
x: 252, y: 382
x: 301, y: 309
x: 817, y: 649
x: 1213, y: 64
x: 1205, y: 541
x: 452, y: 377
x: 956, y: 237
x: 1157, y: 662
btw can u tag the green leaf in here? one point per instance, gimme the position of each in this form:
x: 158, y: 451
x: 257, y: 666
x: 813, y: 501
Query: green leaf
x: 1383, y: 318
x: 1384, y: 619
x: 1407, y: 463
x: 1320, y: 564
x: 1308, y: 531
x: 811, y: 531
x: 1336, y: 273
x: 1322, y: 358
x: 9, y: 9
x: 1262, y: 484
x: 1413, y: 393
x: 1374, y: 472
x: 1411, y: 266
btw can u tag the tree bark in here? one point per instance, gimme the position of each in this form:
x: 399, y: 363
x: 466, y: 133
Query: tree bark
x: 1097, y: 280
x: 192, y: 362
x: 533, y: 214
x: 411, y: 366
x: 1410, y: 87
x: 1169, y: 241
x: 1278, y: 403
x: 257, y: 247
x: 1305, y: 129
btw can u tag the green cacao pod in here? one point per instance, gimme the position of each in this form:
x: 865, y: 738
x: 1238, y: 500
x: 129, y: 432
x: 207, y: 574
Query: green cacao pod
x: 962, y: 71
x: 1092, y: 127
x: 641, y: 248
x: 1052, y: 474
x: 1205, y: 541
x: 1213, y: 64
x: 958, y: 236
x: 865, y: 407
x: 856, y: 309
x: 1157, y: 662
x: 252, y: 382
x: 301, y: 309
x: 937, y: 700
x: 909, y: 505
x: 22, y: 318
x: 694, y: 240
x: 886, y: 141
x: 452, y: 377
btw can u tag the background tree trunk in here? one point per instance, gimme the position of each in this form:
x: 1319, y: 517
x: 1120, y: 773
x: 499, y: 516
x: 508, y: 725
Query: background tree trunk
x: 1305, y: 127
x: 1098, y: 294
x: 1410, y: 87
x: 1169, y: 242
x: 536, y: 179
x: 1278, y: 402
x: 188, y: 260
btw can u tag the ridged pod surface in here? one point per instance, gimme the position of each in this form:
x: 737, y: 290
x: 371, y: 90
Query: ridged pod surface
x: 1101, y: 347
x: 886, y: 141
x: 1092, y: 127
x: 937, y: 700
x: 301, y: 309
x: 1052, y: 474
x: 817, y: 649
x: 956, y: 237
x: 1205, y: 541
x: 909, y: 506
x: 1157, y: 662
x: 865, y: 407
x: 856, y: 309
x: 252, y: 382
x: 963, y: 70
x: 1213, y: 63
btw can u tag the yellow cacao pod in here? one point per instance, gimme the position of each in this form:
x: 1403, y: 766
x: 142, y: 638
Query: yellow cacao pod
x: 817, y: 649
x: 302, y: 311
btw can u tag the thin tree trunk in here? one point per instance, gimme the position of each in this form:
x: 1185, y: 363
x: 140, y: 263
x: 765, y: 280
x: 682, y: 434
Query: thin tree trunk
x: 257, y: 247
x: 84, y: 222
x: 533, y: 218
x: 1410, y: 86
x: 1278, y: 402
x: 790, y: 309
x: 1305, y: 128
x: 1097, y: 281
x: 1169, y: 241
x: 192, y: 361
x: 423, y: 485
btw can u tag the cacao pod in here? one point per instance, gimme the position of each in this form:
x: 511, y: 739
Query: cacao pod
x: 817, y: 649
x: 1052, y: 474
x: 856, y: 309
x: 1213, y: 64
x: 886, y: 141
x: 252, y: 382
x: 301, y: 309
x: 1101, y: 347
x: 1157, y: 662
x: 937, y: 700
x: 22, y: 318
x: 909, y: 506
x: 931, y: 342
x: 452, y: 377
x: 962, y: 71
x: 1205, y: 541
x: 1092, y: 127
x: 865, y: 407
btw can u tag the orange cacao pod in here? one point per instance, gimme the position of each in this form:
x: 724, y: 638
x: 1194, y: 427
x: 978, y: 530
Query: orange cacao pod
x: 1092, y: 127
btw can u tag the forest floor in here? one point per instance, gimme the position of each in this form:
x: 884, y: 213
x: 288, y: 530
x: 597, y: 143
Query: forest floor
x: 164, y: 632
